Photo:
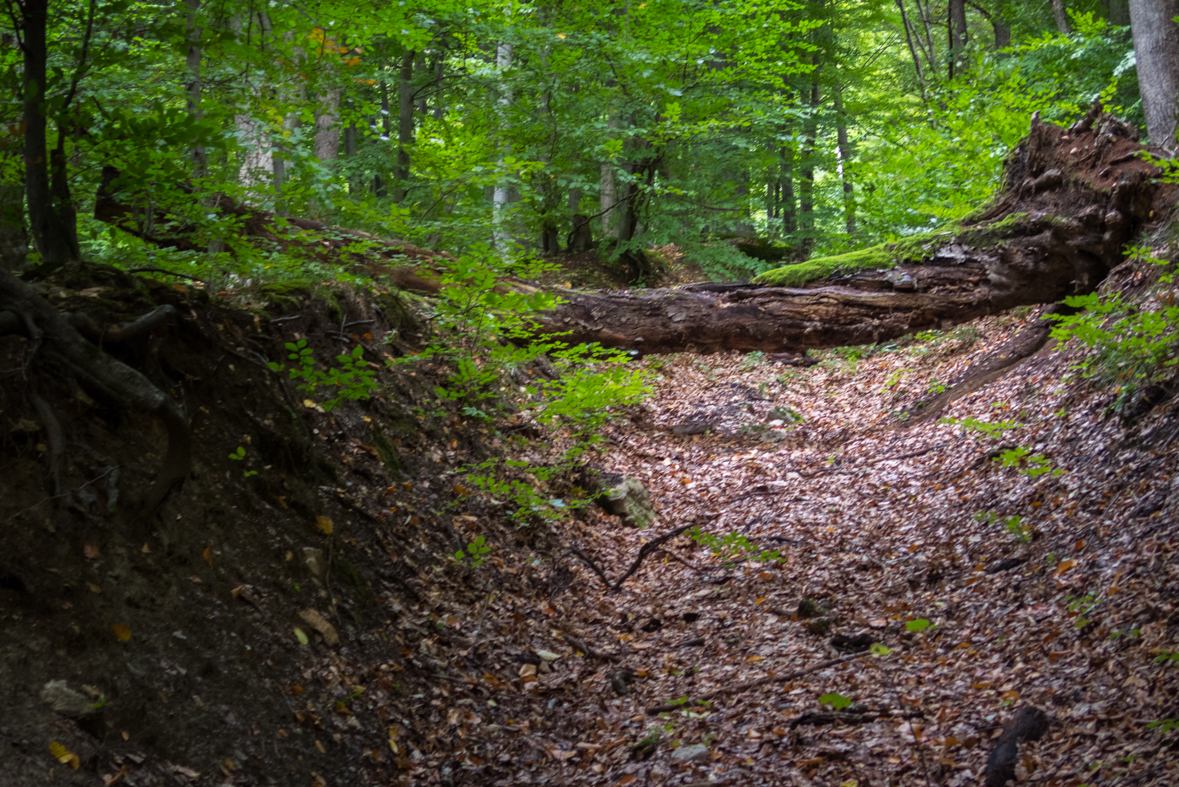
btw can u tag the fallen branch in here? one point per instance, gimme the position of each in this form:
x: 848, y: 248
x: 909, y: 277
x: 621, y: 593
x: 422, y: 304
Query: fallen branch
x: 849, y: 717
x: 590, y: 562
x: 751, y: 684
x: 647, y: 549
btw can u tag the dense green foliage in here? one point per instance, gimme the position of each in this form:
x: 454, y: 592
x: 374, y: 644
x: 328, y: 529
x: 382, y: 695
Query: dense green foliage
x: 665, y: 121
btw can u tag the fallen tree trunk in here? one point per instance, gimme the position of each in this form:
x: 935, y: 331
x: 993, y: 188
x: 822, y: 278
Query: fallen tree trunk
x: 1072, y: 199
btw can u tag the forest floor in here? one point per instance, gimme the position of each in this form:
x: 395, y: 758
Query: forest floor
x: 294, y: 617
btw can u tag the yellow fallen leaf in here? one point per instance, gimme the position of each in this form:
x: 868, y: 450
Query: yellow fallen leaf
x: 60, y: 752
x: 122, y: 632
x: 1064, y: 566
x: 301, y: 636
x: 319, y: 746
x: 324, y: 525
x: 93, y: 588
x: 527, y: 670
x: 208, y: 555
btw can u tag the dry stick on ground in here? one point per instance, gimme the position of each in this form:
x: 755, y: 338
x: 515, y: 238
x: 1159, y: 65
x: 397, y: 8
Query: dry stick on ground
x: 750, y: 684
x: 647, y: 549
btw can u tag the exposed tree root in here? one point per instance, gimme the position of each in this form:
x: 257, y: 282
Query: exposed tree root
x: 985, y: 371
x: 121, y: 333
x: 115, y: 379
x: 56, y: 439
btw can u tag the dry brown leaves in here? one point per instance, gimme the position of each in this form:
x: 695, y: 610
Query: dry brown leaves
x: 880, y: 526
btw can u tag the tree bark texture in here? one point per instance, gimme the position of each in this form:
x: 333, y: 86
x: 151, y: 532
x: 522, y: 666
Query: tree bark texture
x: 192, y: 61
x: 806, y: 186
x: 52, y: 220
x: 1072, y: 199
x: 327, y: 127
x: 844, y: 154
x: 1060, y: 16
x: 958, y: 35
x: 404, y: 125
x: 1118, y: 11
x: 1156, y: 48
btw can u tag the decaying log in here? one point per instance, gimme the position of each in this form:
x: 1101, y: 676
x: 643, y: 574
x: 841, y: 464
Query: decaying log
x: 398, y: 260
x: 1071, y: 201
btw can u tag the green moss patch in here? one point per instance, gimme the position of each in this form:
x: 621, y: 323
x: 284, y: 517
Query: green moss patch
x: 888, y: 255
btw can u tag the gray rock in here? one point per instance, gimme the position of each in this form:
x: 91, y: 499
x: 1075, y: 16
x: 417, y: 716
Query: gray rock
x: 696, y: 752
x: 314, y: 559
x: 629, y: 499
x: 59, y: 696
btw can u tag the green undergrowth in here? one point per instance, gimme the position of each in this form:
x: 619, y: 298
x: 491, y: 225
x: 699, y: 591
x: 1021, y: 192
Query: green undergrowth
x: 888, y: 255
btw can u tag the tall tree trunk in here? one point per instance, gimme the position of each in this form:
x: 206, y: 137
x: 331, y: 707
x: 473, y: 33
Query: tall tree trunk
x: 420, y: 67
x: 256, y: 168
x: 1002, y: 33
x: 843, y: 155
x: 404, y: 126
x: 958, y: 36
x: 925, y: 12
x: 192, y: 62
x: 52, y: 219
x: 14, y: 236
x: 910, y: 34
x: 1060, y: 15
x: 1156, y: 48
x: 327, y: 127
x: 387, y: 127
x: 1119, y: 12
x: 439, y: 81
x: 355, y: 183
x: 788, y: 204
x: 502, y: 193
x: 607, y: 185
x: 806, y: 191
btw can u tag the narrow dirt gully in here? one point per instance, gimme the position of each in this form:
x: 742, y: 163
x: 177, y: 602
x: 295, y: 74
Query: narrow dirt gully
x: 295, y: 615
x: 992, y: 587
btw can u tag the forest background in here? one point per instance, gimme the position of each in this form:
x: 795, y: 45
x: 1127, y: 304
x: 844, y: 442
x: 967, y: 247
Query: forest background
x: 814, y: 126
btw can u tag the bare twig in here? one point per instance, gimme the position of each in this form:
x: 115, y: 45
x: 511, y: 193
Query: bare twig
x: 647, y: 549
x: 750, y: 684
x: 589, y: 562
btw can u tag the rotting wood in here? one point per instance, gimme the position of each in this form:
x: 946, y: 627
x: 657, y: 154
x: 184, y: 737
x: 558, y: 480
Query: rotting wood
x: 1072, y: 199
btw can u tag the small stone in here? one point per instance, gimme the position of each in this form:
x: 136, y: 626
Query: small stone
x: 818, y: 626
x: 314, y: 559
x: 809, y: 608
x: 696, y: 752
x: 629, y: 500
x: 59, y: 696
